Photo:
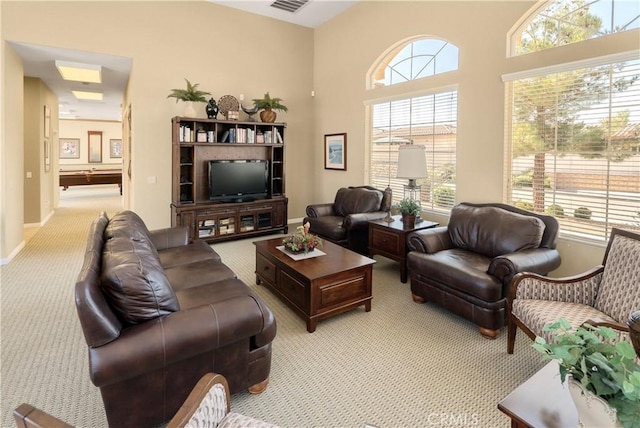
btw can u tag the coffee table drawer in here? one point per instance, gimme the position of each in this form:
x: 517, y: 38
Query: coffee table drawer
x: 292, y: 289
x: 385, y: 241
x: 341, y: 292
x: 265, y: 269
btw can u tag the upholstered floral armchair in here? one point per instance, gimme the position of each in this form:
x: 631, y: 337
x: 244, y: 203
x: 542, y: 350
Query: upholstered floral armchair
x: 608, y: 294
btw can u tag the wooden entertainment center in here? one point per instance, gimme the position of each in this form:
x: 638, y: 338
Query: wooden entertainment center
x: 195, y: 142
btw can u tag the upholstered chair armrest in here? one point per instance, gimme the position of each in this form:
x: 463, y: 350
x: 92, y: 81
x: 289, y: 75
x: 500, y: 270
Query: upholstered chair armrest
x: 27, y: 416
x: 430, y: 241
x: 179, y: 336
x: 536, y: 260
x: 320, y: 210
x: 581, y: 288
x: 207, y: 403
x: 604, y: 322
x: 170, y: 237
x: 361, y: 220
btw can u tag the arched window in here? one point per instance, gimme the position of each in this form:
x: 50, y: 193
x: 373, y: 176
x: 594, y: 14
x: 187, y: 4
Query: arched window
x: 561, y: 22
x: 428, y: 117
x: 416, y: 59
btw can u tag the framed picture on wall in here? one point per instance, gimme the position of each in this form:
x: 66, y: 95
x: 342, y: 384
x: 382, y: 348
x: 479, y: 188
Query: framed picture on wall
x: 47, y: 121
x: 335, y: 151
x: 115, y: 148
x: 47, y: 155
x: 69, y: 148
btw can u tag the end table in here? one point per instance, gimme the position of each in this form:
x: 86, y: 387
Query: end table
x: 389, y: 239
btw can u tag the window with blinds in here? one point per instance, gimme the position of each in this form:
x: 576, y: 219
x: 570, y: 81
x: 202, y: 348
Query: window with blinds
x: 573, y: 149
x: 427, y: 120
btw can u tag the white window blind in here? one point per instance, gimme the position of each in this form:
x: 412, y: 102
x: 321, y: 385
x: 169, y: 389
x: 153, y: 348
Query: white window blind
x: 574, y: 147
x: 427, y: 120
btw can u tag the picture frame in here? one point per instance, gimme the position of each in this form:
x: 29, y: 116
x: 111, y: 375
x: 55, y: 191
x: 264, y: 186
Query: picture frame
x: 69, y: 148
x: 335, y: 151
x: 115, y: 148
x: 47, y: 155
x: 47, y: 122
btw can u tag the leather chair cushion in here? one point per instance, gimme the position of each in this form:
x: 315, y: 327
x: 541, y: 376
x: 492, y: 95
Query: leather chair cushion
x: 357, y: 200
x: 331, y: 227
x: 128, y: 224
x: 490, y: 230
x: 460, y: 270
x: 134, y: 282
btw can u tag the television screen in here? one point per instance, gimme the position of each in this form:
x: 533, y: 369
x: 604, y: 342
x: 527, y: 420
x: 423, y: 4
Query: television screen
x: 238, y: 180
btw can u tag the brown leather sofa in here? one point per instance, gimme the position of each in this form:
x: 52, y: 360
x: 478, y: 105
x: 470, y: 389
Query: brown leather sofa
x: 345, y: 221
x: 157, y: 313
x: 467, y: 265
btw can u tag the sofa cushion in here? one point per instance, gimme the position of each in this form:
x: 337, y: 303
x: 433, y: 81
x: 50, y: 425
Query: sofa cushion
x: 129, y: 225
x: 490, y: 230
x: 459, y: 270
x: 357, y: 200
x: 134, y: 282
x: 185, y: 254
x: 197, y: 273
x: 330, y: 226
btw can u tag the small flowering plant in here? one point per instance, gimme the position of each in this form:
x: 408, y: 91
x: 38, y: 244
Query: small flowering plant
x: 603, y: 365
x: 302, y: 241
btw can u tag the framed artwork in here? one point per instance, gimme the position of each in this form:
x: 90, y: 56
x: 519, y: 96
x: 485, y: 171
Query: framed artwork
x: 335, y: 151
x: 115, y: 148
x: 95, y: 146
x: 47, y: 121
x: 69, y: 148
x: 47, y: 155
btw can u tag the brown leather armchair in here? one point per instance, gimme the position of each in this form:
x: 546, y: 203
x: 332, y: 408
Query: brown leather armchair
x: 467, y: 265
x: 345, y: 221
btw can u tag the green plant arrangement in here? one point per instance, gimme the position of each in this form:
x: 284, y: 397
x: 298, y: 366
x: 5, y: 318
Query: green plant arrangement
x: 267, y: 104
x: 582, y: 212
x: 408, y: 206
x: 302, y: 241
x: 555, y: 210
x: 190, y: 94
x: 602, y: 366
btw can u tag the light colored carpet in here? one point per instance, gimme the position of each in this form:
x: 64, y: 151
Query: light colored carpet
x: 401, y: 365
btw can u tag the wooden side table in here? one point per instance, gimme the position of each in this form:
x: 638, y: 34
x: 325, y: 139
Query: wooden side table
x: 541, y: 401
x: 390, y: 240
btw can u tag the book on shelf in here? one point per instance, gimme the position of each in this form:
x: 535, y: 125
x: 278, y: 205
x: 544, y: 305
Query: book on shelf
x: 278, y: 137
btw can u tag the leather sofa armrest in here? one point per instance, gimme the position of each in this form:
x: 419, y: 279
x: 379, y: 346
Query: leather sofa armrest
x: 169, y: 237
x: 430, y: 241
x: 179, y: 336
x: 361, y: 220
x: 320, y: 210
x: 537, y: 260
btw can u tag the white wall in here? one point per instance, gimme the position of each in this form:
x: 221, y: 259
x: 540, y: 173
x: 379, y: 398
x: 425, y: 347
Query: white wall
x: 79, y: 129
x: 225, y: 50
x: 347, y: 46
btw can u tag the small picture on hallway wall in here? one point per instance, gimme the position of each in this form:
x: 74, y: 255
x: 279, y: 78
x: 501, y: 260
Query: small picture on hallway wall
x: 115, y: 148
x: 69, y: 148
x: 335, y: 151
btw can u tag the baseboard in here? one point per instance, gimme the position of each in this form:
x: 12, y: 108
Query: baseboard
x: 14, y: 253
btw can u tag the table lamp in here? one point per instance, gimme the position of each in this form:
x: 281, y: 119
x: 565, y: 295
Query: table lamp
x: 412, y: 164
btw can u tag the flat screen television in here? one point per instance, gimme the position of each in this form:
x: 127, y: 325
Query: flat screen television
x: 238, y: 180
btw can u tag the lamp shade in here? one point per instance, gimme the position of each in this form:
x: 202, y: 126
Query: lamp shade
x: 412, y: 163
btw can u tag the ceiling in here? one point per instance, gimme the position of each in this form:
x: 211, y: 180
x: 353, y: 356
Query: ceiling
x: 39, y: 61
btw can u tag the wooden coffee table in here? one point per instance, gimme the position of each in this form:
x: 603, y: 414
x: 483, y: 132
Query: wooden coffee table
x: 319, y: 287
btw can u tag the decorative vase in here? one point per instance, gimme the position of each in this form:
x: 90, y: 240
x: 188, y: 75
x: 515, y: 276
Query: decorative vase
x: 268, y: 115
x: 190, y: 109
x: 593, y: 411
x: 408, y: 220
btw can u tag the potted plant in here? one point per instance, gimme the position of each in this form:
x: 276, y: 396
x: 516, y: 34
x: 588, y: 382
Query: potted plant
x: 596, y: 364
x: 189, y: 95
x: 267, y: 104
x: 301, y: 241
x: 410, y: 209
